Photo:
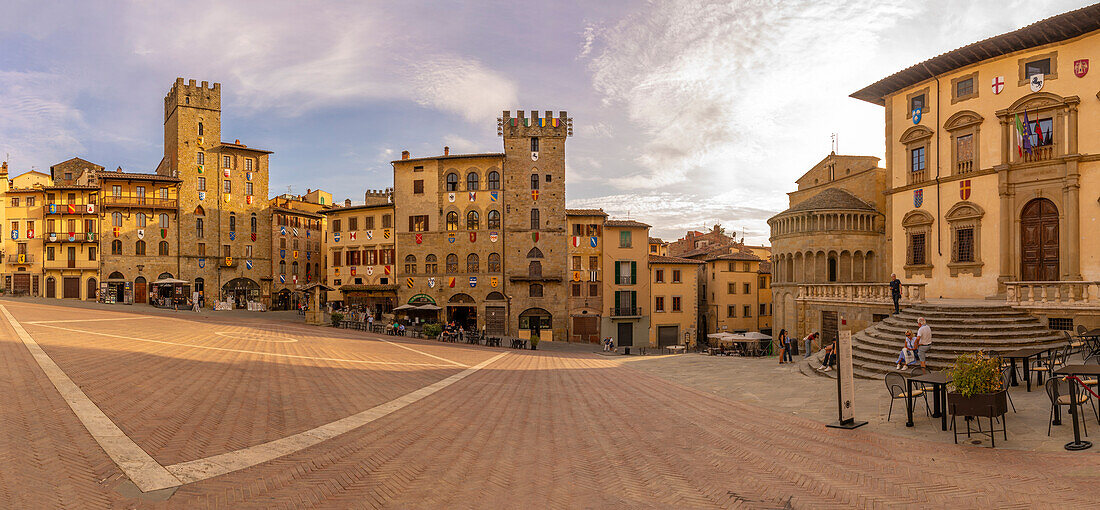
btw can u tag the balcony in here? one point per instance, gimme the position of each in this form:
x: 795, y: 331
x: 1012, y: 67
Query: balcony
x: 861, y: 293
x: 964, y: 167
x: 1053, y: 295
x: 625, y: 312
x: 626, y: 280
x: 69, y: 208
x: 918, y: 176
x: 1039, y: 153
x: 24, y: 258
x: 60, y: 263
x: 78, y: 237
x: 140, y: 202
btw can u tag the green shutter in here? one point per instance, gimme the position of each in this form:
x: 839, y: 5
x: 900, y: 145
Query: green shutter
x: 617, y: 274
x: 617, y: 298
x: 633, y: 273
x: 634, y: 299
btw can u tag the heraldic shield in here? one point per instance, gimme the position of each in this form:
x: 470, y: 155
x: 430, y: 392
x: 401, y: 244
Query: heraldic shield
x: 918, y: 197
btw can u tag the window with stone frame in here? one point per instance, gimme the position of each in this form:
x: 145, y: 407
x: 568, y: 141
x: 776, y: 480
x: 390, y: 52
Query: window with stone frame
x: 410, y: 264
x: 494, y: 262
x: 535, y: 290
x: 494, y: 180
x: 1045, y: 64
x: 116, y: 247
x: 452, y: 263
x: 472, y: 263
x: 471, y: 181
x: 452, y: 182
x: 431, y: 266
x: 918, y: 99
x: 916, y: 140
x: 493, y: 219
x: 918, y: 234
x: 964, y: 129
x: 452, y: 221
x: 965, y: 221
x: 964, y: 87
x: 473, y: 220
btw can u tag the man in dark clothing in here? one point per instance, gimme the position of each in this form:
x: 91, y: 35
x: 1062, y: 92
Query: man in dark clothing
x: 895, y: 291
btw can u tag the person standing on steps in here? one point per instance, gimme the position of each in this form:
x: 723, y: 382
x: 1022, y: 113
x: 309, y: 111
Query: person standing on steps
x: 924, y: 341
x: 895, y: 291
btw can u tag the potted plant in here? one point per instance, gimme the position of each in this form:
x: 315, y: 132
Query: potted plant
x: 976, y: 388
x: 432, y: 329
x: 336, y: 317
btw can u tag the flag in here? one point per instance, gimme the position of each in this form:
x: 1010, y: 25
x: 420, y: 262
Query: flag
x: 1027, y: 134
x: 1019, y: 136
x: 1038, y: 134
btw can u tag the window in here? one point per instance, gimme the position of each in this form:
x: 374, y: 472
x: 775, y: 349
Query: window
x: 625, y: 240
x: 1060, y: 323
x: 419, y: 223
x: 368, y: 222
x: 139, y: 218
x: 675, y: 276
x: 1034, y: 67
x: 471, y: 181
x: 763, y: 310
x: 916, y: 165
x: 535, y: 290
x: 547, y: 177
x: 626, y: 272
x: 494, y: 263
x: 91, y: 253
x: 200, y: 131
x: 116, y: 190
x: 200, y: 158
x: 493, y: 220
x: 294, y: 268
x: 534, y: 144
x: 494, y: 180
x: 226, y: 161
x: 227, y: 186
x: 163, y: 250
x: 593, y: 263
x: 15, y: 201
x: 576, y: 263
x: 747, y: 287
x: 964, y: 154
x: 116, y: 247
x: 248, y: 251
x: 418, y: 186
x: 202, y: 249
x: 89, y: 225
x: 964, y: 87
x: 248, y: 164
x: 659, y: 304
x: 282, y: 267
x: 50, y: 253
x: 731, y: 312
x: 917, y: 249
x: 198, y: 227
x: 746, y: 266
x: 387, y: 221
x: 965, y: 220
x: 534, y: 219
x: 575, y: 290
x: 748, y: 311
x: 676, y: 303
x: 116, y: 219
x: 918, y: 228
x: 593, y: 289
x: 534, y: 181
x: 472, y: 263
x: 253, y: 223
x: 964, y: 245
x: 163, y: 192
x: 452, y: 221
x: 731, y: 288
x: 534, y: 269
x: 452, y: 263
x: 353, y: 223
x: 659, y: 275
x: 431, y: 265
x: 248, y: 188
x: 139, y: 191
x: 1042, y: 133
x: 232, y: 222
x: 410, y: 264
x: 30, y: 201
x: 336, y: 258
x: 336, y: 225
x: 472, y: 221
x: 139, y: 248
x: 49, y: 226
x: 202, y: 184
x: 916, y: 103
x: 452, y: 182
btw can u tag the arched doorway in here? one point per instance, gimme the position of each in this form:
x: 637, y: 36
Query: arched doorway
x: 535, y: 320
x: 93, y: 287
x: 51, y: 287
x: 462, y: 310
x: 1039, y: 258
x: 239, y: 291
x: 141, y: 289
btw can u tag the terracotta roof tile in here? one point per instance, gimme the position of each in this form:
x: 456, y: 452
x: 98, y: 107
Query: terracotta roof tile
x: 662, y: 259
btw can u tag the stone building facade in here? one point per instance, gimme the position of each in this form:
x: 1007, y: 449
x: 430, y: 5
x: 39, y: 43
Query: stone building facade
x: 361, y: 253
x: 225, y: 187
x: 675, y: 305
x: 586, y: 274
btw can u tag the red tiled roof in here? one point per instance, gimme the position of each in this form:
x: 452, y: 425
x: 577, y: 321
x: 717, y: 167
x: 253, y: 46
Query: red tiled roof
x: 662, y: 259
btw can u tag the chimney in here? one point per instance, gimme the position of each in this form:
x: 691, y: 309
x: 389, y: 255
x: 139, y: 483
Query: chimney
x: 347, y: 202
x: 4, y: 168
x: 446, y: 151
x: 404, y: 154
x: 237, y: 141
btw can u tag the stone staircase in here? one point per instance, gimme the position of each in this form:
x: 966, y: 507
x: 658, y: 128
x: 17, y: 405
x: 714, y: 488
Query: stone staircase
x: 956, y: 329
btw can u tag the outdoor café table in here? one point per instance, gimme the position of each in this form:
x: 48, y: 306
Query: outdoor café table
x: 1092, y: 342
x: 1024, y: 354
x: 939, y: 382
x: 1075, y: 370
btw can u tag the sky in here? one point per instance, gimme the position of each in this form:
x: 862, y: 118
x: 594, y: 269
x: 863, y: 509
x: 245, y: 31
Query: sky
x: 686, y: 113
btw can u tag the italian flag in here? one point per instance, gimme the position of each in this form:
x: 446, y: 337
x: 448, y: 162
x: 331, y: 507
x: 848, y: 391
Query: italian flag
x: 1019, y: 136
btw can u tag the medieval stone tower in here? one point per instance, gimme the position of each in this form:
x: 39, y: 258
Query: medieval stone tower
x: 534, y: 220
x: 222, y: 200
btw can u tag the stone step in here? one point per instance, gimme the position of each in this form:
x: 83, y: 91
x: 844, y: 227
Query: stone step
x: 976, y: 332
x: 991, y: 343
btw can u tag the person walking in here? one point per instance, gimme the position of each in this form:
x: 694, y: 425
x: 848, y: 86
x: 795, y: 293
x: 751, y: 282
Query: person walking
x: 924, y: 341
x: 895, y: 292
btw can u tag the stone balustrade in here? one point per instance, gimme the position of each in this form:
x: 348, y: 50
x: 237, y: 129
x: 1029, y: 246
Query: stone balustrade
x: 863, y: 293
x: 1053, y: 294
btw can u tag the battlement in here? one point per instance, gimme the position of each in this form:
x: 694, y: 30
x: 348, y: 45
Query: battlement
x: 196, y: 95
x: 378, y: 196
x: 521, y: 125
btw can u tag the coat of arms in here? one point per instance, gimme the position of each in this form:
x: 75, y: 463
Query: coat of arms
x: 916, y: 115
x: 473, y: 281
x: 576, y: 242
x: 451, y: 197
x: 493, y: 282
x: 998, y: 84
x: 431, y: 282
x: 492, y: 237
x: 964, y: 189
x: 370, y: 270
x: 1037, y: 81
x: 473, y: 196
x: 202, y: 263
x: 918, y: 197
x: 1081, y: 67
x: 419, y: 238
x: 473, y: 237
x: 141, y: 233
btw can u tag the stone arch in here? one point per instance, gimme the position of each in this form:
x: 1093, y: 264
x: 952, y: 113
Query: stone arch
x: 962, y: 119
x: 844, y: 272
x: 915, y: 133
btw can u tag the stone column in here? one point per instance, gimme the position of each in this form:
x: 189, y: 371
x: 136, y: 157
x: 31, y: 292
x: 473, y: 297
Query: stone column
x: 1007, y: 251
x: 1005, y: 141
x: 1071, y: 196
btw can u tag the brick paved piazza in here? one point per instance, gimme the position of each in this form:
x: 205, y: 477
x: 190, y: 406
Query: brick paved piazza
x: 257, y: 411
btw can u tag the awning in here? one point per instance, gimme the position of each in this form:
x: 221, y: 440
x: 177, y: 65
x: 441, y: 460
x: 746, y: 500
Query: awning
x: 430, y: 308
x: 404, y: 307
x: 170, y: 281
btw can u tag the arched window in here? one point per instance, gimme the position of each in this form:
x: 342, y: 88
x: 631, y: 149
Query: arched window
x: 254, y: 224
x: 534, y: 219
x: 163, y: 220
x: 473, y: 221
x: 535, y: 253
x: 493, y: 219
x: 198, y: 227
x: 116, y: 219
x: 472, y: 263
x: 534, y: 181
x: 430, y: 264
x: 452, y: 263
x: 494, y: 262
x: 139, y: 248
x: 471, y: 181
x: 282, y: 267
x: 452, y: 221
x: 294, y: 268
x: 410, y: 264
x: 534, y: 269
x: 452, y: 182
x: 116, y: 247
x: 232, y: 222
x: 163, y: 248
x: 494, y: 180
x: 140, y: 218
x: 199, y: 211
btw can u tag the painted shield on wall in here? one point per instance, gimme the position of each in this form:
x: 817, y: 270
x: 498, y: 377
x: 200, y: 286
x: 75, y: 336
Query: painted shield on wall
x: 431, y: 283
x: 1081, y: 67
x: 918, y: 197
x: 964, y: 189
x: 493, y: 237
x: 916, y: 115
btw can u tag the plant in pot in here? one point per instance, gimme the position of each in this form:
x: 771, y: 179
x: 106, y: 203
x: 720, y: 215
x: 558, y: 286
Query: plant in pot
x: 432, y: 329
x: 336, y: 317
x: 976, y: 388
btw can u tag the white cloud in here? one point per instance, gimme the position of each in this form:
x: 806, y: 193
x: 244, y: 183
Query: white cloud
x: 37, y: 122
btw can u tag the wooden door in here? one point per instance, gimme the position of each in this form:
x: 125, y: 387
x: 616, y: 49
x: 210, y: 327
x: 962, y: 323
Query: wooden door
x: 1039, y: 258
x: 71, y: 287
x: 626, y: 335
x: 494, y: 320
x: 828, y: 327
x: 668, y: 335
x: 586, y: 329
x: 71, y: 256
x: 21, y: 283
x: 140, y: 290
x: 51, y: 287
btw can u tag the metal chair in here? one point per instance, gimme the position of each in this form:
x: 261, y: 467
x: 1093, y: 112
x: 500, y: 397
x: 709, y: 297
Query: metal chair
x: 1055, y: 359
x: 1059, y: 394
x: 895, y: 385
x: 1005, y: 382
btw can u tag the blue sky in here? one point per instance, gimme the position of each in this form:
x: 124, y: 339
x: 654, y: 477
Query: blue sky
x: 686, y: 113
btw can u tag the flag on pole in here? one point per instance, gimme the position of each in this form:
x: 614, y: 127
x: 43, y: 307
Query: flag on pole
x: 1027, y: 134
x: 1038, y: 134
x: 1019, y: 136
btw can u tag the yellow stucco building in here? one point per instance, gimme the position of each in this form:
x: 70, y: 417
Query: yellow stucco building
x: 675, y: 303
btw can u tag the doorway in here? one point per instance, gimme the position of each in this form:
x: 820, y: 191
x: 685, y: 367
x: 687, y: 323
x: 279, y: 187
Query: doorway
x: 586, y: 329
x: 668, y: 335
x: 828, y: 327
x: 70, y: 287
x: 625, y: 336
x: 51, y: 287
x: 463, y: 315
x: 1039, y: 258
x: 141, y: 288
